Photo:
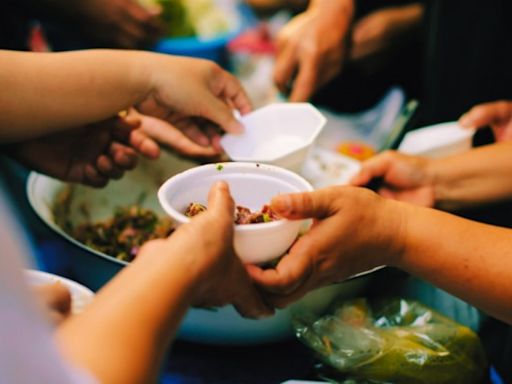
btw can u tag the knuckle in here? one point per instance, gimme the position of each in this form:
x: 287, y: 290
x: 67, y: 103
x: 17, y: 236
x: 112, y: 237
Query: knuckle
x: 213, y: 68
x: 388, y: 154
x: 503, y: 103
x: 312, y: 50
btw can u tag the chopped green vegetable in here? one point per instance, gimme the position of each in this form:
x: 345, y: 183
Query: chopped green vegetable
x: 220, y: 167
x: 122, y: 235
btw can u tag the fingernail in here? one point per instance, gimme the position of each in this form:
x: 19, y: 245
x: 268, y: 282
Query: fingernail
x: 221, y: 185
x: 282, y: 204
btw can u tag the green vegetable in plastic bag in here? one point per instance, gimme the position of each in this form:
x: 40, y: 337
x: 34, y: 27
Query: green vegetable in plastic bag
x: 394, y: 341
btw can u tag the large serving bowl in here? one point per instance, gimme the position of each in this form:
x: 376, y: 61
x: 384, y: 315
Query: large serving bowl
x: 94, y: 269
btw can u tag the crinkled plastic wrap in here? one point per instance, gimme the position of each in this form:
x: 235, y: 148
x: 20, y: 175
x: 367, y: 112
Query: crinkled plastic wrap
x: 393, y: 341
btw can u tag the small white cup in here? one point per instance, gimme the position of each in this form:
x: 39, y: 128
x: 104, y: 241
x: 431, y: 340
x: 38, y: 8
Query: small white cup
x: 278, y: 134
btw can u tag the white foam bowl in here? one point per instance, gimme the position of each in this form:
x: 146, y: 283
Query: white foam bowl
x: 252, y: 185
x: 437, y: 140
x: 279, y: 134
x: 80, y: 296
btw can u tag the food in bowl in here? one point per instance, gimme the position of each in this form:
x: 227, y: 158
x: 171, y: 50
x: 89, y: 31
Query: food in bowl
x: 194, y: 209
x: 124, y: 233
x: 251, y: 185
x: 121, y: 235
x: 243, y: 215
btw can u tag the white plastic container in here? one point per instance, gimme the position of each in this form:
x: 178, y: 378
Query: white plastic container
x: 80, y: 296
x: 438, y: 140
x: 278, y: 134
x: 252, y: 185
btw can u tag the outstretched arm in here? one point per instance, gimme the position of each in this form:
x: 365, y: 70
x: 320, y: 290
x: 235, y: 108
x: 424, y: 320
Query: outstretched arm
x: 357, y: 230
x: 480, y: 176
x: 123, y: 335
x: 46, y: 93
x: 469, y: 259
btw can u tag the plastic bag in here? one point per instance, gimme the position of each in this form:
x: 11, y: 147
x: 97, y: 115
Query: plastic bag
x: 393, y: 341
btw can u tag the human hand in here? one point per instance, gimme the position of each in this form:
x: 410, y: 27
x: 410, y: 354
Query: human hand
x: 380, y: 30
x: 497, y: 115
x: 55, y: 300
x: 90, y: 155
x: 354, y: 230
x: 405, y: 178
x: 197, y: 97
x: 175, y: 136
x: 312, y: 47
x: 119, y: 23
x: 206, y: 246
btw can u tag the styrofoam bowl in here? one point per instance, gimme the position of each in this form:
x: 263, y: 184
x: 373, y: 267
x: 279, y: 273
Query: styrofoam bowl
x: 437, y: 140
x: 252, y: 185
x: 280, y: 134
x: 81, y: 296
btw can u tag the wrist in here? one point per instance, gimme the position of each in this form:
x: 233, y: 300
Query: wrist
x: 170, y: 268
x: 398, y: 233
x: 143, y: 75
x: 437, y: 179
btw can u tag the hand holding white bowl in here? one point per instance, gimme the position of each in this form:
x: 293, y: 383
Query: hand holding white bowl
x: 252, y: 185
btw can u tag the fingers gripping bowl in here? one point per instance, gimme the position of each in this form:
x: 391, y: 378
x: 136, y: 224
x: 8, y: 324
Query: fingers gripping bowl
x: 94, y: 268
x: 252, y: 185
